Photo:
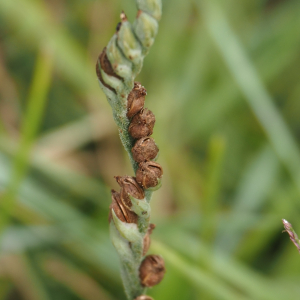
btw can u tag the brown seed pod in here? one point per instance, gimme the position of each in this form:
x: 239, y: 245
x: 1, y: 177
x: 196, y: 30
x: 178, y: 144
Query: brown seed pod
x: 144, y: 149
x: 147, y: 239
x: 135, y: 100
x: 142, y: 124
x: 121, y: 211
x: 152, y: 270
x: 129, y: 186
x: 148, y: 174
x: 143, y: 297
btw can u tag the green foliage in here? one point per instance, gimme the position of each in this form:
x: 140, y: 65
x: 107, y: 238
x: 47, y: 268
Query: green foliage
x: 223, y: 81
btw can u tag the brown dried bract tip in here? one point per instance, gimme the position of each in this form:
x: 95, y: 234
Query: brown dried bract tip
x: 148, y: 174
x: 139, y: 12
x: 152, y: 270
x: 121, y: 211
x: 147, y: 239
x: 135, y: 100
x: 142, y: 124
x: 144, y: 149
x: 143, y: 297
x: 292, y: 234
x: 129, y: 186
x: 106, y: 65
x: 123, y: 17
x: 98, y: 71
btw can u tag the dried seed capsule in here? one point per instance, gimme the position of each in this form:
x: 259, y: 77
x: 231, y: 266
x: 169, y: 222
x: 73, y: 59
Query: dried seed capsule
x: 149, y: 174
x: 121, y: 211
x: 143, y: 297
x: 135, y: 100
x: 152, y: 270
x: 129, y: 186
x: 147, y: 239
x: 144, y: 149
x: 142, y: 124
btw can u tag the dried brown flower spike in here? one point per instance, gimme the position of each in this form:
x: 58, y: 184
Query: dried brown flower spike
x: 149, y: 174
x: 142, y: 124
x: 135, y: 100
x: 152, y: 270
x: 144, y: 149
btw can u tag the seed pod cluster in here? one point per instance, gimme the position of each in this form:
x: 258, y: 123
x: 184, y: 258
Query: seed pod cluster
x: 145, y: 150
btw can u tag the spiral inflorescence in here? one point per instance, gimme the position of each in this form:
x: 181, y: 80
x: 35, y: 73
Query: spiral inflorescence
x: 117, y: 66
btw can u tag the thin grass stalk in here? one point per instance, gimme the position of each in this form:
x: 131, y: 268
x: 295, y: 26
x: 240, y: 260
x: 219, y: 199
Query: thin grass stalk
x: 37, y: 100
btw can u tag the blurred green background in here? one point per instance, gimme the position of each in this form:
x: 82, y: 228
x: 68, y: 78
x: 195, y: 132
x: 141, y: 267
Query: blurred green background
x: 223, y: 81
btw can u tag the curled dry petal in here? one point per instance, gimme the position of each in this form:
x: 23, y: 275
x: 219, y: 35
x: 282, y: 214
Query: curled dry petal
x: 104, y: 64
x: 152, y: 270
x: 147, y: 239
x: 121, y: 211
x: 144, y: 149
x: 129, y: 186
x: 148, y: 174
x: 135, y: 100
x: 142, y: 124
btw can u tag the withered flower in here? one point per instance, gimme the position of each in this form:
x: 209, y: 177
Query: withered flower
x: 143, y: 297
x: 104, y: 64
x: 144, y: 149
x: 135, y: 100
x: 152, y: 270
x: 129, y: 186
x: 148, y: 174
x: 147, y: 239
x: 121, y: 211
x: 142, y: 124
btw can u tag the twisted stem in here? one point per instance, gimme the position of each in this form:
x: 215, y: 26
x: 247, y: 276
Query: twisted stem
x: 117, y: 66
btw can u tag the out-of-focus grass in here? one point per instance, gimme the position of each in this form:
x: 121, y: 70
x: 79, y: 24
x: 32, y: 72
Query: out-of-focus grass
x: 223, y: 82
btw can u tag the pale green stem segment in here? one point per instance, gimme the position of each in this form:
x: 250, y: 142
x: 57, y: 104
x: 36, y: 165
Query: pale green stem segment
x: 126, y: 51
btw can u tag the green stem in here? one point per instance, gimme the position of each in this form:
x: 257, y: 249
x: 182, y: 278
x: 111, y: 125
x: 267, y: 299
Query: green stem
x: 37, y: 100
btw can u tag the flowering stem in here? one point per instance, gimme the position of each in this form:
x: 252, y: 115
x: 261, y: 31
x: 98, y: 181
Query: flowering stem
x: 293, y: 235
x: 117, y: 66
